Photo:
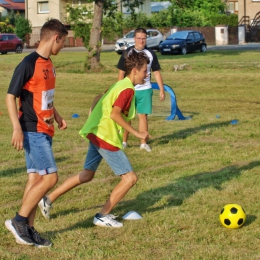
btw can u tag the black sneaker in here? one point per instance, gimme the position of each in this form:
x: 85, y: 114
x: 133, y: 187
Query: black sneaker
x: 38, y: 240
x: 20, y: 231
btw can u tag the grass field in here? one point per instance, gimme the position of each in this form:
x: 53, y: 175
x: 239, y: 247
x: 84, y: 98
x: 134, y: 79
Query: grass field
x: 196, y: 166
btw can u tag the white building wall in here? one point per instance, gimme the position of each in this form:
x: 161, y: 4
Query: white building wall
x: 56, y: 10
x: 221, y: 35
x: 3, y: 11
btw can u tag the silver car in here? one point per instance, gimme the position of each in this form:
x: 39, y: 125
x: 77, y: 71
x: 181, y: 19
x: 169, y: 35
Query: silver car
x: 154, y: 38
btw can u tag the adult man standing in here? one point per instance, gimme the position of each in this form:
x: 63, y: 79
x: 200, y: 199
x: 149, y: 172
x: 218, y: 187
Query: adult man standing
x: 143, y: 92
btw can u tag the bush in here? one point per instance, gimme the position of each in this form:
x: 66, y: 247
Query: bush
x: 161, y: 19
x: 136, y: 20
x: 112, y: 26
x: 230, y: 20
x: 190, y: 18
x: 22, y: 27
x: 6, y: 28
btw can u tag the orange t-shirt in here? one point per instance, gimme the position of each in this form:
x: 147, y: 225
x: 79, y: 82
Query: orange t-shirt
x: 33, y: 82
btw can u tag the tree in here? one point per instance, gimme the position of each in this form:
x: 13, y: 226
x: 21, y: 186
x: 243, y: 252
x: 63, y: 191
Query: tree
x: 82, y: 18
x: 22, y: 27
x: 93, y: 55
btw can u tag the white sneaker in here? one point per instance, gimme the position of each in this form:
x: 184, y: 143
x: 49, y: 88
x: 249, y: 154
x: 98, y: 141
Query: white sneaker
x: 145, y: 147
x: 107, y: 221
x: 112, y: 216
x: 124, y: 145
x: 45, y: 208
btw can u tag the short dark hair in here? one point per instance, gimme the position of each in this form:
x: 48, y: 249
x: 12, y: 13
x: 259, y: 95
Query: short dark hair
x: 135, y: 59
x: 53, y: 26
x: 140, y: 30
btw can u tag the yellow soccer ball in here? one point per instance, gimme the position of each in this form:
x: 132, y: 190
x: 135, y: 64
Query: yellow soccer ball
x: 232, y: 216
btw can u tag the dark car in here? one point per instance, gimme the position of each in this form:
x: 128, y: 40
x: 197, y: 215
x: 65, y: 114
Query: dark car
x: 9, y: 42
x: 183, y: 42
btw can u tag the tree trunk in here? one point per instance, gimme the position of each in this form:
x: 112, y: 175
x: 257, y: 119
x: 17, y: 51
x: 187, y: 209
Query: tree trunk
x: 93, y: 54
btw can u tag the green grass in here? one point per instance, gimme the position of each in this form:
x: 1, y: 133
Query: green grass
x: 195, y: 168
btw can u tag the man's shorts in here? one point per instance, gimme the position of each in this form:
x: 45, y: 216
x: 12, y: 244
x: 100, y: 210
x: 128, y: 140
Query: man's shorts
x: 38, y: 153
x: 117, y: 160
x: 143, y: 101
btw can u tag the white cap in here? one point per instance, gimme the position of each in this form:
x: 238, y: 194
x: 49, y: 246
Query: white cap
x: 131, y: 215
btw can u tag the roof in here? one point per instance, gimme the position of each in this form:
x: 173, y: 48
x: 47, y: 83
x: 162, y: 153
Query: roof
x: 159, y: 6
x: 13, y: 4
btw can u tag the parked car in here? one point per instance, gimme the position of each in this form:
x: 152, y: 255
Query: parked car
x: 9, y: 42
x: 183, y: 42
x: 154, y: 38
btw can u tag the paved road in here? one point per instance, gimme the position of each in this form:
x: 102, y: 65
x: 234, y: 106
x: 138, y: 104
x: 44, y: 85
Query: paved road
x: 110, y: 47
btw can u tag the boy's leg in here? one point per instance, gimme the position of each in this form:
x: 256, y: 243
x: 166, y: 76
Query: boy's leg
x: 46, y: 201
x: 144, y: 107
x: 142, y: 125
x: 32, y: 179
x: 128, y: 180
x: 39, y: 158
x: 103, y: 218
x: 121, y: 166
x: 21, y: 224
x: 72, y: 182
x: 92, y: 161
x: 36, y: 192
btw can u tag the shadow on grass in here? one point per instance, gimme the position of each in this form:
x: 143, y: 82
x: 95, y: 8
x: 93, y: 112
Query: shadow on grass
x: 171, y: 195
x: 249, y: 220
x: 182, y: 134
x: 179, y: 190
x: 13, y: 171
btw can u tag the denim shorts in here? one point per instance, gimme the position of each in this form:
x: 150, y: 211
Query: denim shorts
x: 38, y: 153
x: 117, y: 160
x: 143, y: 101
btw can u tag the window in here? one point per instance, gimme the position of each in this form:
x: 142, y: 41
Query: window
x: 233, y: 6
x: 197, y: 36
x: 43, y: 7
x: 154, y: 33
x: 190, y: 36
x: 149, y: 34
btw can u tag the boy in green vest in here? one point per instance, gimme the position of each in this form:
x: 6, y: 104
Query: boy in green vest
x: 104, y: 129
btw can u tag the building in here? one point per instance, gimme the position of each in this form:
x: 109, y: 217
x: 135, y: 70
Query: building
x: 232, y: 6
x: 39, y: 11
x: 249, y: 9
x: 6, y: 6
x: 156, y: 7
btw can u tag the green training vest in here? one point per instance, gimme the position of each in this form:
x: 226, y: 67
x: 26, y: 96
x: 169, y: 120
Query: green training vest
x: 99, y: 122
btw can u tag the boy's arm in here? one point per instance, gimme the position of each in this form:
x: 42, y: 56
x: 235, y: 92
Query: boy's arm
x: 158, y: 78
x: 17, y: 137
x: 60, y: 121
x: 117, y: 117
x: 121, y: 75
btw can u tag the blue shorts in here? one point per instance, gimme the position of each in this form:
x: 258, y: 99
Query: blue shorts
x: 38, y: 153
x: 143, y: 101
x: 117, y: 160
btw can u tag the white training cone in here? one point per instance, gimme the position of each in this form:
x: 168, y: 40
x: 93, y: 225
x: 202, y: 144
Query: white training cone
x: 131, y: 215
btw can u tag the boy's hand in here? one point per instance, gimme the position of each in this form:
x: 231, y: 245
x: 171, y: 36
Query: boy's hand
x: 162, y: 95
x: 17, y: 140
x: 62, y: 124
x: 144, y: 135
